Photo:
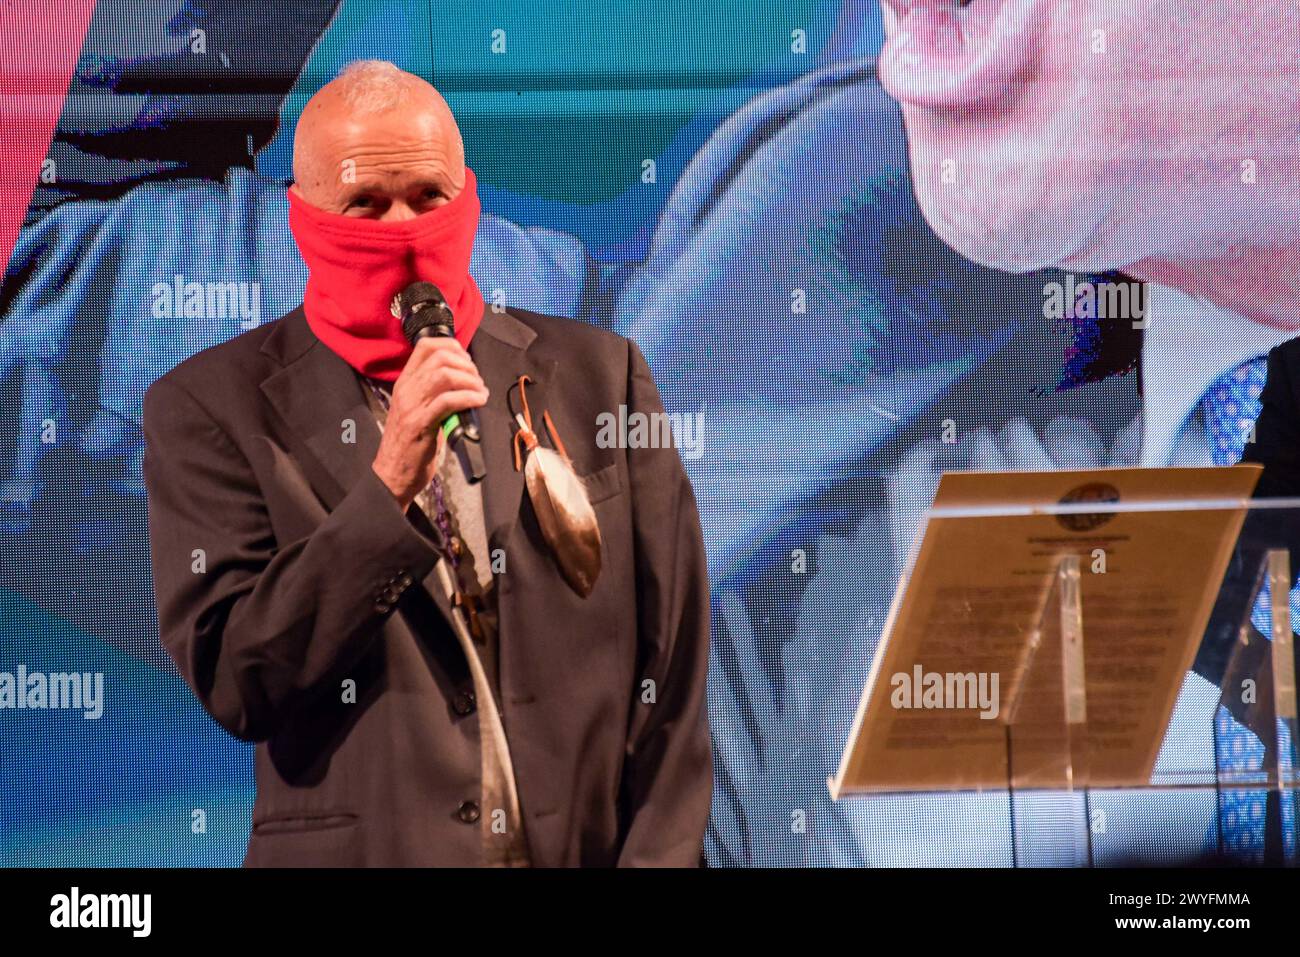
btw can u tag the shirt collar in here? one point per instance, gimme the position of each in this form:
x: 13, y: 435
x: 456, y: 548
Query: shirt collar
x: 1188, y: 344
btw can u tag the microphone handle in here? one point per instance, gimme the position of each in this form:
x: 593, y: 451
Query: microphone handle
x: 467, y: 448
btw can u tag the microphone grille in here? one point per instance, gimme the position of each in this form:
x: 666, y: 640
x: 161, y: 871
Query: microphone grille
x: 420, y: 305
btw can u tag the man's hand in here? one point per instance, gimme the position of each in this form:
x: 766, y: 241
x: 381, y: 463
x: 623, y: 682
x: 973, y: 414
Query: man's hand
x: 439, y: 379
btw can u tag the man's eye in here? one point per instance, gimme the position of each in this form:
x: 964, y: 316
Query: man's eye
x: 362, y: 202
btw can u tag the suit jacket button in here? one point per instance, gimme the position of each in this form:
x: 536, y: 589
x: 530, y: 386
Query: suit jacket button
x: 463, y: 703
x: 468, y: 811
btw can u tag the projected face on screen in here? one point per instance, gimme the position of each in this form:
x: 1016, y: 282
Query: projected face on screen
x: 1096, y: 134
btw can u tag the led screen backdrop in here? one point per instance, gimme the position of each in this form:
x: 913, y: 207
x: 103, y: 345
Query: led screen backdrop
x: 729, y: 183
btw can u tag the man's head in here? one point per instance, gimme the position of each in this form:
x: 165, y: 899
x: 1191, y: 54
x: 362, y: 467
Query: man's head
x: 1099, y: 134
x: 378, y: 143
x: 382, y: 199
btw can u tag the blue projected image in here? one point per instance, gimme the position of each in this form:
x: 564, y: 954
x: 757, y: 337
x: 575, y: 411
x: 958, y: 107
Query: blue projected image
x: 747, y: 202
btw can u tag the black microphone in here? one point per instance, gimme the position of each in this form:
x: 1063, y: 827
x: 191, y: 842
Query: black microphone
x: 424, y: 312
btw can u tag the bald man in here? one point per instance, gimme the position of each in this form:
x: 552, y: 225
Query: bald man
x: 433, y: 669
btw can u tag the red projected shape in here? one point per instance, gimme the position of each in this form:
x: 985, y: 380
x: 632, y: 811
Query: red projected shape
x: 39, y: 44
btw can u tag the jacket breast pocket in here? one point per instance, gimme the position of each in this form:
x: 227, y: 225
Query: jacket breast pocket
x: 602, y: 483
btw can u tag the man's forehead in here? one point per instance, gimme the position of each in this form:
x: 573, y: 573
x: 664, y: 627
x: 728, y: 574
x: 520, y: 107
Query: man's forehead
x: 416, y: 137
x: 374, y: 138
x: 382, y: 177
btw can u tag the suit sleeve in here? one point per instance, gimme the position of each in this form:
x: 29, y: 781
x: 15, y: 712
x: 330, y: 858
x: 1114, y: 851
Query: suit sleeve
x: 668, y: 773
x: 257, y: 626
x: 1276, y: 446
x: 1276, y: 443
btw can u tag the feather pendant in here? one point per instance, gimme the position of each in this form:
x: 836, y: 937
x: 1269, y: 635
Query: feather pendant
x: 566, y: 517
x: 560, y: 501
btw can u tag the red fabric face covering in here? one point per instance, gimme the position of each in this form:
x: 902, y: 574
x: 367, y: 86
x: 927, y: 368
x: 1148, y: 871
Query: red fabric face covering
x: 356, y: 266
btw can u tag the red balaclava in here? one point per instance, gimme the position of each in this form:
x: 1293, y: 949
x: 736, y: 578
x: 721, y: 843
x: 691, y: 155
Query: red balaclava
x: 356, y: 266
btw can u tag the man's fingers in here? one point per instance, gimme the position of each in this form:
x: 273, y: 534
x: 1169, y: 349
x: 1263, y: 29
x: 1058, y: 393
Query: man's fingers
x: 443, y: 381
x: 442, y: 349
x: 439, y: 379
x: 426, y: 364
x: 456, y: 401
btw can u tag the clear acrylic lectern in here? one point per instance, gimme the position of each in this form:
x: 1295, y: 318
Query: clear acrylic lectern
x: 1142, y: 655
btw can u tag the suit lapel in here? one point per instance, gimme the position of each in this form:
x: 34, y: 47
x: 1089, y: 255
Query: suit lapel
x: 500, y: 350
x: 319, y: 397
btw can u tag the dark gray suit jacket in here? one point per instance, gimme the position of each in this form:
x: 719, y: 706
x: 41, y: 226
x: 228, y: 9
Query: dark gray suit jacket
x: 284, y: 570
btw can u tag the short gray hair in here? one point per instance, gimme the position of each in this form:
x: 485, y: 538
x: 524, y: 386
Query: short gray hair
x: 373, y: 86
